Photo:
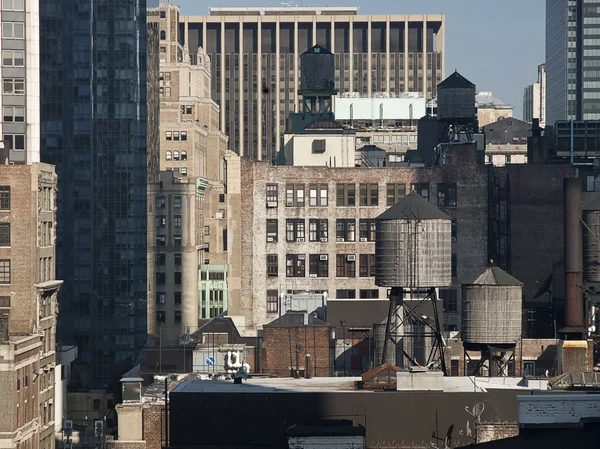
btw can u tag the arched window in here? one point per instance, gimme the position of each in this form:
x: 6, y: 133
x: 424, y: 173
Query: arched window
x: 163, y: 35
x: 175, y: 155
x: 168, y: 155
x: 184, y: 156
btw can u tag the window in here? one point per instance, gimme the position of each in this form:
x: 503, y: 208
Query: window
x: 13, y: 58
x: 272, y: 266
x: 160, y: 259
x: 272, y: 301
x: 446, y: 195
x: 317, y: 195
x: 177, y: 297
x: 184, y: 154
x: 271, y: 230
x: 346, y: 265
x: 317, y: 230
x: 529, y: 368
x: 178, y: 277
x: 177, y: 240
x: 13, y: 5
x: 345, y: 294
x: 14, y: 114
x: 449, y: 300
x: 454, y: 266
x: 13, y: 30
x: 422, y: 189
x: 163, y: 49
x: 294, y: 195
x: 295, y: 230
x: 176, y: 137
x: 367, y: 265
x: 4, y: 197
x: 163, y: 14
x: 177, y: 316
x: 96, y: 404
x: 369, y: 294
x: 14, y: 141
x: 161, y: 298
x: 161, y: 240
x: 345, y: 195
x: 168, y: 155
x: 507, y: 159
x: 163, y: 35
x: 318, y: 146
x: 4, y: 301
x: 177, y: 221
x: 168, y: 135
x: 160, y: 202
x: 188, y: 109
x: 369, y: 194
x: 161, y: 317
x: 160, y: 278
x: 5, y: 271
x: 454, y: 230
x: 167, y: 76
x: 345, y: 230
x: 366, y: 229
x: 177, y: 258
x: 177, y: 202
x: 184, y: 171
x: 4, y: 234
x: 271, y: 195
x: 221, y: 197
x: 318, y: 265
x: 176, y: 154
x: 161, y: 221
x: 206, y: 231
x: 295, y: 265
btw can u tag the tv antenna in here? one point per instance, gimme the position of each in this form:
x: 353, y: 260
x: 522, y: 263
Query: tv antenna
x: 476, y: 411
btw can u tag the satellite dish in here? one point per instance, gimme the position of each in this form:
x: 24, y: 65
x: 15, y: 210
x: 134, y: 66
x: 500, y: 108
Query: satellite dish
x: 478, y: 409
x: 448, y: 439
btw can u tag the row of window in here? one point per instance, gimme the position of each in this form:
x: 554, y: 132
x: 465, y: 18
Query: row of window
x: 318, y: 230
x: 13, y: 114
x: 176, y: 136
x: 161, y: 221
x: 182, y: 170
x: 176, y: 156
x: 273, y: 296
x: 161, y: 278
x: 14, y: 141
x: 161, y: 297
x: 13, y: 5
x: 161, y: 259
x: 13, y: 58
x: 318, y: 265
x: 161, y: 317
x: 368, y: 194
x: 13, y: 30
x: 13, y: 86
x: 161, y: 240
x: 161, y: 202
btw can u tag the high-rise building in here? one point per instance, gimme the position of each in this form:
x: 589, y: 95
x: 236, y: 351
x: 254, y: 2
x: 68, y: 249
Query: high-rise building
x: 20, y: 42
x: 28, y: 306
x: 572, y: 60
x: 256, y: 62
x: 187, y: 235
x: 534, y: 98
x: 94, y: 129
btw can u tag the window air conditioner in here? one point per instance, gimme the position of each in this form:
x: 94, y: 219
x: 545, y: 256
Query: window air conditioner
x: 323, y: 239
x: 363, y: 239
x: 271, y: 204
x: 300, y: 240
x: 340, y: 239
x: 313, y: 275
x: 269, y: 239
x: 323, y: 257
x: 351, y: 258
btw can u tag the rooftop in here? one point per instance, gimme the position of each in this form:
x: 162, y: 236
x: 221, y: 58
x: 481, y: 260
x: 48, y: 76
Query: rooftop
x: 487, y: 100
x: 413, y: 207
x: 261, y: 10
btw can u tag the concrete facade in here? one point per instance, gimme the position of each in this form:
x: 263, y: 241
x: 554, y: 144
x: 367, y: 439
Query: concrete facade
x: 28, y: 306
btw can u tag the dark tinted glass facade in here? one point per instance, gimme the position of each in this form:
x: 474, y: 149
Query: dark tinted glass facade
x: 94, y: 129
x: 573, y: 60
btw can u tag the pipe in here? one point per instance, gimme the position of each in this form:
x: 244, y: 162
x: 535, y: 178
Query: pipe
x: 572, y: 144
x: 573, y: 257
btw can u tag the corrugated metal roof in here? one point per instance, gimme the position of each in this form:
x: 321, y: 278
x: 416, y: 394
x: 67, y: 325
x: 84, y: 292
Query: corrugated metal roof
x: 413, y: 207
x: 456, y: 81
x: 494, y: 275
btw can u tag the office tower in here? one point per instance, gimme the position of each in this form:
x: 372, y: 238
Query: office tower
x: 20, y: 81
x: 572, y: 60
x: 94, y: 129
x: 28, y: 288
x: 187, y: 235
x: 256, y: 62
x: 531, y: 102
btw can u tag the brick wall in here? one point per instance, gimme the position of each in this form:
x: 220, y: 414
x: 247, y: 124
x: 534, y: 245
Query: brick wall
x: 154, y: 425
x: 279, y: 350
x: 496, y: 431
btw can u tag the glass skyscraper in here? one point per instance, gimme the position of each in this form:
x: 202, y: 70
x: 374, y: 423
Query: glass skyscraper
x: 572, y: 60
x: 94, y: 129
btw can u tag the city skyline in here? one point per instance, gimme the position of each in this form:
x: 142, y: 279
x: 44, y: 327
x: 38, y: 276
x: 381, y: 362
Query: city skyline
x: 504, y: 71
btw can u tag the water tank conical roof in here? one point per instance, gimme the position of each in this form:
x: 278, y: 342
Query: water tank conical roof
x: 456, y: 81
x: 317, y: 50
x: 493, y: 275
x: 413, y: 207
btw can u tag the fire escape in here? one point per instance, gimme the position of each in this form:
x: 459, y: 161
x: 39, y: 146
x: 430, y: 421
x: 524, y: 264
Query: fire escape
x: 499, y: 220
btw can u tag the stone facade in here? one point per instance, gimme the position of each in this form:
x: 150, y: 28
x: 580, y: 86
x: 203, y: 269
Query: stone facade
x: 28, y: 305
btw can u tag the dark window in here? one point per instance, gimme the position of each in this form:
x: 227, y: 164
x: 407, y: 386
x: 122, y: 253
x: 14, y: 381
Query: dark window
x: 177, y: 240
x: 177, y: 316
x: 161, y: 297
x: 160, y: 259
x: 271, y: 230
x: 369, y: 294
x: 163, y: 35
x: 345, y: 195
x: 4, y: 197
x: 367, y: 229
x: 177, y: 221
x: 221, y: 197
x: 110, y: 404
x: 421, y: 188
x: 271, y: 195
x: 345, y: 230
x: 446, y: 195
x: 318, y: 230
x: 395, y: 192
x: 96, y: 404
x: 163, y: 14
x: 295, y: 265
x: 345, y: 294
x: 367, y: 265
x: 454, y: 367
x: 295, y: 230
x: 272, y: 266
x: 294, y: 195
x: 161, y: 240
x: 160, y: 278
x: 454, y: 230
x: 177, y: 202
x: 507, y: 158
x: 177, y: 297
x: 318, y: 146
x: 160, y: 202
x: 4, y: 301
x: 272, y: 301
x: 449, y: 300
x: 318, y: 195
x: 224, y: 239
x: 161, y: 221
x: 318, y: 265
x: 5, y: 271
x: 177, y: 258
x: 18, y: 384
x: 178, y: 277
x: 4, y: 234
x: 346, y: 265
x: 369, y: 194
x: 454, y: 266
x: 161, y: 317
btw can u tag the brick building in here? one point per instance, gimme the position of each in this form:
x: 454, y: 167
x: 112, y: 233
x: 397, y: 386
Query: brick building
x: 288, y: 342
x: 28, y: 305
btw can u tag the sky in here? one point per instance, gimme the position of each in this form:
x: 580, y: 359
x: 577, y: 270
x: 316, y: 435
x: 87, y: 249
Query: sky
x: 495, y: 44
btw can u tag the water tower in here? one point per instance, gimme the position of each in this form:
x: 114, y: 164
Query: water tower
x: 317, y: 75
x: 456, y: 110
x: 413, y: 254
x: 491, y: 318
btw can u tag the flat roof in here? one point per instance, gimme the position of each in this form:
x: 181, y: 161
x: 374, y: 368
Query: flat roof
x: 300, y: 9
